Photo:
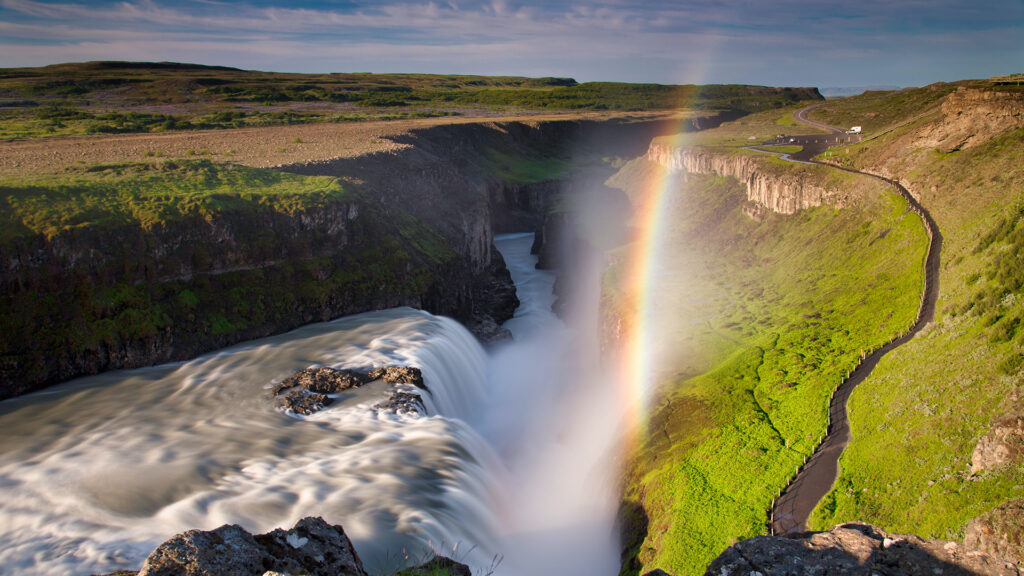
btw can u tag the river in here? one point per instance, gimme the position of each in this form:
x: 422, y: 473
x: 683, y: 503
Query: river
x: 512, y: 469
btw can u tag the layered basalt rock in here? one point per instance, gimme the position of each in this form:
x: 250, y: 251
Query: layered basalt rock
x: 784, y: 192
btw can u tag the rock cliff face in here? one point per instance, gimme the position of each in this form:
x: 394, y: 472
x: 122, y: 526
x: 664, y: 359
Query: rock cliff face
x: 972, y: 116
x: 98, y: 299
x: 784, y: 192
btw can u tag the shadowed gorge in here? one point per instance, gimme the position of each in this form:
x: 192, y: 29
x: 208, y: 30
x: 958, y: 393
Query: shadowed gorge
x: 507, y: 326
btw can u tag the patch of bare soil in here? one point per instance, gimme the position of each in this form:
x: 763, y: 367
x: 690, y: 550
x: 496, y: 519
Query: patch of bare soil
x: 260, y: 147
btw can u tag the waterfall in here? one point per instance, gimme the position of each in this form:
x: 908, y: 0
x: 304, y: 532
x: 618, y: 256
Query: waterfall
x: 510, y: 460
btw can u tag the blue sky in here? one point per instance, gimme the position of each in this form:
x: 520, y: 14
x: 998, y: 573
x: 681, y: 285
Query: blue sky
x: 787, y: 42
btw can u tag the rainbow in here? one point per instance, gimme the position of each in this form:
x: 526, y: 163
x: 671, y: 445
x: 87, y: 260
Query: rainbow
x: 644, y: 252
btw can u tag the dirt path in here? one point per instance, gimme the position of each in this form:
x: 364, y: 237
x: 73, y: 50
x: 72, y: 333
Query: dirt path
x: 792, y: 509
x: 260, y: 147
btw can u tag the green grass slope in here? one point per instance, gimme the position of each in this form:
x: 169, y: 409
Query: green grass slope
x: 876, y: 112
x: 918, y: 418
x: 765, y: 319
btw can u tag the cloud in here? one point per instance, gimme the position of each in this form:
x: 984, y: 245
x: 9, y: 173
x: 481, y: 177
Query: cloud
x: 737, y: 41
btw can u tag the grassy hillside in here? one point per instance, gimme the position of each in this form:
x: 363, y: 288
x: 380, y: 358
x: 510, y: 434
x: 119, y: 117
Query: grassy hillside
x: 917, y: 420
x: 878, y: 111
x: 759, y: 326
x: 116, y: 97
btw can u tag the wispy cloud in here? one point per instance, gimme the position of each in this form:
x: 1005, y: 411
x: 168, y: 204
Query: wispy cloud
x: 790, y: 41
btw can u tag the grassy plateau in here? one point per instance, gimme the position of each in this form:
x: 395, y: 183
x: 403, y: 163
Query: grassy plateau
x: 118, y: 97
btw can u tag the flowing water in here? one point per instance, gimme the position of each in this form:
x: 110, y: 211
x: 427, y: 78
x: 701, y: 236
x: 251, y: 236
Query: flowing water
x: 513, y: 461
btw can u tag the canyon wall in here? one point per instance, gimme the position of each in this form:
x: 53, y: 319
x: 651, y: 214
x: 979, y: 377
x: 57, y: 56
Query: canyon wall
x: 781, y: 189
x: 415, y: 230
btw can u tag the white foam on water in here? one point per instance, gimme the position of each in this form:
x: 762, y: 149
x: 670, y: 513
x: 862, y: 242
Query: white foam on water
x: 100, y: 472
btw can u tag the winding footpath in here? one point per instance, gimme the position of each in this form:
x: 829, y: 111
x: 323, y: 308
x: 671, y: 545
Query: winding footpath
x: 815, y: 479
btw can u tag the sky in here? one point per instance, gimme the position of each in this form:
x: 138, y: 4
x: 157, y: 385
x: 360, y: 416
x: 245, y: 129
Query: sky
x: 777, y: 43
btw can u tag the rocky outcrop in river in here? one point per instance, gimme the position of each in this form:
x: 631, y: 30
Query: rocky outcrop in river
x: 310, y: 390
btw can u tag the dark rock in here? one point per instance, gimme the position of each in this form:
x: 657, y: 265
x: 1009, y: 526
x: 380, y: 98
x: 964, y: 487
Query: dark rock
x: 305, y: 392
x: 226, y: 551
x: 403, y: 403
x: 312, y: 547
x: 323, y: 380
x: 302, y: 401
x: 854, y: 549
x: 999, y: 532
x: 436, y: 566
x: 633, y: 524
x: 398, y: 375
x: 496, y: 302
x: 488, y: 332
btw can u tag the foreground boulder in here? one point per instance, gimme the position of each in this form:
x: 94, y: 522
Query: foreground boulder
x: 854, y: 549
x: 311, y: 547
x: 322, y: 380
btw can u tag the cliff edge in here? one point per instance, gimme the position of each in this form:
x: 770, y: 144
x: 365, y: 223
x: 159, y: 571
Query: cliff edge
x: 855, y: 549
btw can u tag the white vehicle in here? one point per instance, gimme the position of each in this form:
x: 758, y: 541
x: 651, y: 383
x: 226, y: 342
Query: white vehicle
x: 854, y: 130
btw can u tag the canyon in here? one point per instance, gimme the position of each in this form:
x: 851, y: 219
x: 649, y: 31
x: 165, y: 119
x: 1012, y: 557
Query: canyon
x: 778, y: 322
x: 415, y: 229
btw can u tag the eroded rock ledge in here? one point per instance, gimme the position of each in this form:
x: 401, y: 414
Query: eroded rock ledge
x: 855, y: 549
